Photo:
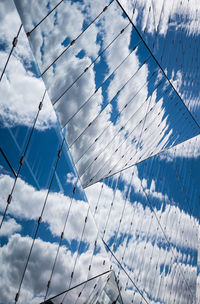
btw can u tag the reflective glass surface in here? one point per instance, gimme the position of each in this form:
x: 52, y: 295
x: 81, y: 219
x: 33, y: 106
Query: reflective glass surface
x: 147, y: 218
x: 115, y: 101
x: 99, y: 152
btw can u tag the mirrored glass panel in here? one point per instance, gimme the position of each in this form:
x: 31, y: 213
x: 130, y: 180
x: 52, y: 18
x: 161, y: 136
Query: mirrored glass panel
x: 171, y: 30
x: 49, y: 242
x: 148, y: 217
x: 112, y: 96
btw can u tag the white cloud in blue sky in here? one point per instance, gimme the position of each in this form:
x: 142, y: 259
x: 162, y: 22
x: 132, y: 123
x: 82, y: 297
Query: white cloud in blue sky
x: 21, y: 89
x: 10, y: 227
x: 13, y: 256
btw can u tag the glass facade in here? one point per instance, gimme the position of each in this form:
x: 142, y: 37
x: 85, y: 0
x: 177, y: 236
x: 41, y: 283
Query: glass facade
x: 99, y: 151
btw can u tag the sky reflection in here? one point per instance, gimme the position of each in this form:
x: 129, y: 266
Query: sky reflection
x: 99, y: 152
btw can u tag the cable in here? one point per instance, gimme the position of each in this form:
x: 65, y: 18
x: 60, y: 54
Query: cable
x: 63, y: 292
x: 121, y: 143
x: 126, y: 273
x: 190, y: 211
x: 105, y: 80
x: 132, y: 252
x: 90, y: 266
x: 60, y: 241
x: 9, y: 199
x: 144, y: 121
x: 158, y: 222
x: 160, y: 216
x: 123, y: 210
x: 122, y: 258
x: 100, y: 291
x: 105, y: 108
x: 14, y: 43
x: 140, y: 239
x: 97, y: 204
x: 148, y: 157
x: 138, y: 161
x: 91, y: 64
x: 140, y: 223
x: 194, y: 120
x: 38, y: 223
x: 174, y: 221
x: 93, y: 296
x: 146, y: 143
x: 155, y: 242
x: 28, y: 33
x: 125, y: 107
x: 7, y: 161
x: 172, y: 229
x: 158, y: 26
x: 143, y: 254
x: 75, y: 39
x: 74, y: 266
x: 111, y: 205
x: 147, y: 19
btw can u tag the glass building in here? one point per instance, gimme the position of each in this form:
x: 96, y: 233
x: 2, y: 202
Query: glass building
x: 99, y: 151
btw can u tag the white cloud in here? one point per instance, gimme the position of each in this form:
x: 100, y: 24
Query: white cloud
x: 146, y: 253
x: 98, y: 155
x: 19, y: 102
x: 10, y: 23
x: 157, y: 286
x: 21, y: 90
x: 166, y: 27
x: 13, y: 256
x: 188, y: 149
x: 69, y: 67
x: 20, y: 198
x: 25, y: 195
x: 158, y: 16
x: 9, y: 227
x: 46, y: 41
x: 54, y: 30
x: 172, y: 219
x: 27, y: 203
x: 72, y: 179
x: 177, y: 79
